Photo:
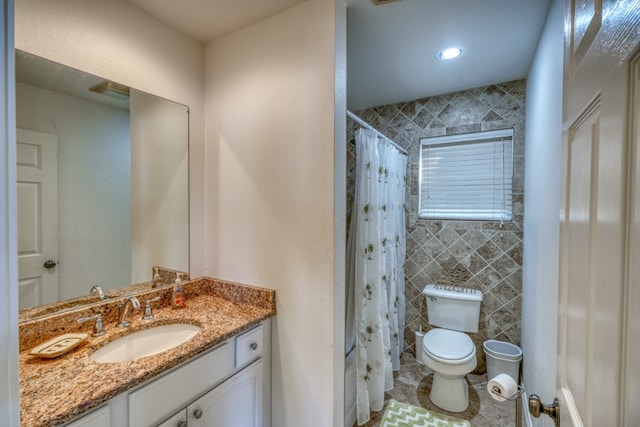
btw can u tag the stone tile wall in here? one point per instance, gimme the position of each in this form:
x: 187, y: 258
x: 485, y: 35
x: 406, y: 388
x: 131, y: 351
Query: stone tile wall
x: 474, y: 254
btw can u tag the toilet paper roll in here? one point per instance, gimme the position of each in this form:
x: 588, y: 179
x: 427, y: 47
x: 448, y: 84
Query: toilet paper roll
x: 502, y: 387
x: 419, y: 337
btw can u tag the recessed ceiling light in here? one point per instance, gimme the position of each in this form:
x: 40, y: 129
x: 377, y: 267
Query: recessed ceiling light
x: 449, y: 53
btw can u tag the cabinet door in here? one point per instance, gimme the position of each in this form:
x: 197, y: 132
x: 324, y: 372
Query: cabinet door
x: 237, y: 402
x: 99, y: 418
x: 178, y: 420
x: 173, y: 391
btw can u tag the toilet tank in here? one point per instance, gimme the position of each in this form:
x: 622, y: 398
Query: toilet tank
x: 453, y: 307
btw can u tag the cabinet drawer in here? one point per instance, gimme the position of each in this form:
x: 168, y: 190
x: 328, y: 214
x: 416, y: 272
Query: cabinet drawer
x: 249, y: 346
x: 175, y: 390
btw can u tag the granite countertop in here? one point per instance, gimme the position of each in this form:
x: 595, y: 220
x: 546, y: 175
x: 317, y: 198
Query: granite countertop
x: 53, y: 391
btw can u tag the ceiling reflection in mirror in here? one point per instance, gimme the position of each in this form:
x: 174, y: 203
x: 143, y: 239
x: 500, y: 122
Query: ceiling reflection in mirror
x: 102, y: 184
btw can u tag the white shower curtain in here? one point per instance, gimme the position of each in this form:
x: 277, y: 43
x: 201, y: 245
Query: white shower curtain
x: 376, y: 251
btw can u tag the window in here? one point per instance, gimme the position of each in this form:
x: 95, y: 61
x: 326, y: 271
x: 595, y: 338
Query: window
x: 467, y: 177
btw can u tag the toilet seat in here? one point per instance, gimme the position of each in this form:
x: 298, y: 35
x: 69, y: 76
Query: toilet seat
x: 447, y: 346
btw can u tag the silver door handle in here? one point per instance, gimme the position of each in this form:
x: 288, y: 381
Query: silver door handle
x: 536, y: 407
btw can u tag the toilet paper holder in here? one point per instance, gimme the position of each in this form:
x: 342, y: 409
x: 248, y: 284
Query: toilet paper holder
x: 496, y: 391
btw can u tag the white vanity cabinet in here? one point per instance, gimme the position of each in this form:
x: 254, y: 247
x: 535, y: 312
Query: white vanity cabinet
x: 224, y: 387
x: 229, y: 385
x: 178, y: 420
x: 98, y: 418
x: 162, y: 397
x: 236, y: 402
x: 112, y: 413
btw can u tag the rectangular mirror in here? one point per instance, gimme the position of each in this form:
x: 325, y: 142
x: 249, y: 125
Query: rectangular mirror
x: 102, y: 183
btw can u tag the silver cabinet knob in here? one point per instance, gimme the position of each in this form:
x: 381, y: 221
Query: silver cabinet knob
x: 181, y: 424
x: 197, y: 413
x: 253, y: 346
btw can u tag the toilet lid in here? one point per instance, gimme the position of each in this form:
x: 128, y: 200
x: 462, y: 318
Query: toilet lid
x: 447, y: 344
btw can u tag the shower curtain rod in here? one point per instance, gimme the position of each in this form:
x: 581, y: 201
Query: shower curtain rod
x: 368, y: 126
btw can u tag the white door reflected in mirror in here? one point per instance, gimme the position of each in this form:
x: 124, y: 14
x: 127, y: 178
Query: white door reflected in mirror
x: 36, y: 154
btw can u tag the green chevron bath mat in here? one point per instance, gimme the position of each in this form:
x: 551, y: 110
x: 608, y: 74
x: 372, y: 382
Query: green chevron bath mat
x: 402, y: 415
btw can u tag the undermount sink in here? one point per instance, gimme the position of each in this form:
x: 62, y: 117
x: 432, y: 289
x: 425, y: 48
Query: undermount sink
x: 145, y: 343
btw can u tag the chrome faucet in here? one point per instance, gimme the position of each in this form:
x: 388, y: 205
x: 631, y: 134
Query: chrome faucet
x: 124, y: 310
x: 98, y: 291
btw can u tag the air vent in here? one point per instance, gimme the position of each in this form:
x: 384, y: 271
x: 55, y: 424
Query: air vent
x: 114, y: 90
x: 381, y: 2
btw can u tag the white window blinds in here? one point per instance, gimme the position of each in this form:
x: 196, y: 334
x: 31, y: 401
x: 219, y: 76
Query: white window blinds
x: 467, y: 177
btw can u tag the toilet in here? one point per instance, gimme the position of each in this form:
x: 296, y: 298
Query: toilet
x: 446, y: 349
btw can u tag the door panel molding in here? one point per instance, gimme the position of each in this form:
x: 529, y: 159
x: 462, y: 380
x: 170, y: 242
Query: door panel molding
x: 630, y: 378
x: 577, y: 360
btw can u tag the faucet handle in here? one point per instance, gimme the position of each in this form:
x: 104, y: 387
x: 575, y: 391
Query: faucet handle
x: 135, y: 304
x: 148, y: 314
x: 98, y: 329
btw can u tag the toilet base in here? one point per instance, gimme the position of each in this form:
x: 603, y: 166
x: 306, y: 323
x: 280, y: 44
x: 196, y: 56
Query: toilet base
x: 450, y: 393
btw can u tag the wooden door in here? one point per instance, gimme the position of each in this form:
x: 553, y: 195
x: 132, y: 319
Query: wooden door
x: 601, y: 37
x: 36, y: 155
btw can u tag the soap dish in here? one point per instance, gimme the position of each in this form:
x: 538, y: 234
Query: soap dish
x: 58, y: 346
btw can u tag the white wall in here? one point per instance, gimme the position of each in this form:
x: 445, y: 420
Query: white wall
x: 340, y: 213
x: 117, y: 41
x: 543, y: 166
x: 93, y: 186
x: 270, y: 94
x: 159, y: 177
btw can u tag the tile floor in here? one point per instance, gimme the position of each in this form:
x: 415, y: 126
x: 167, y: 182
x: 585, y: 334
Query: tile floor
x: 412, y: 386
